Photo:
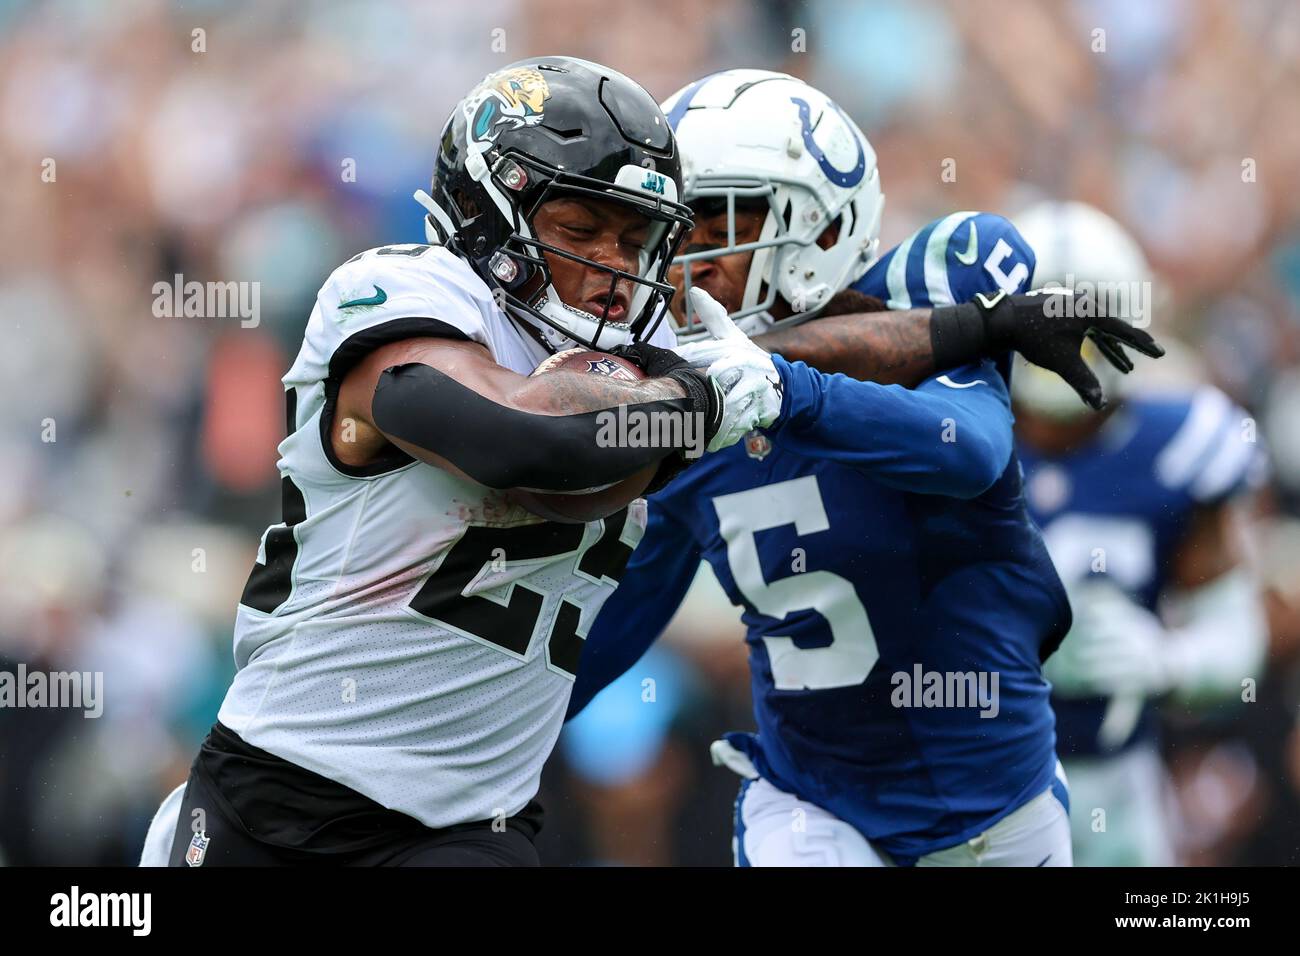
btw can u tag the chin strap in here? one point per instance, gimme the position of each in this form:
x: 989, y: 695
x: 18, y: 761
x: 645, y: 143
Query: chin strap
x: 438, y: 219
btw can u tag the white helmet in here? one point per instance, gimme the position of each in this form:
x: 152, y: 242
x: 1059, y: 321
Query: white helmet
x: 1074, y: 244
x: 746, y: 134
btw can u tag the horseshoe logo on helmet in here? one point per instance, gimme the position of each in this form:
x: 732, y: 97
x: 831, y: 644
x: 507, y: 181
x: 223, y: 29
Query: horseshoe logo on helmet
x: 843, y: 178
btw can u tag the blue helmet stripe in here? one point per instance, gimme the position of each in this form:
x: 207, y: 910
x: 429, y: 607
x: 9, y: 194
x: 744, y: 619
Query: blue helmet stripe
x: 684, y: 101
x: 839, y: 177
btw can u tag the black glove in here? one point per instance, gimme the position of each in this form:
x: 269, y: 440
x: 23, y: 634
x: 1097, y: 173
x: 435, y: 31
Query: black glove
x: 1048, y: 337
x: 701, y: 392
x: 651, y: 359
x: 702, y: 395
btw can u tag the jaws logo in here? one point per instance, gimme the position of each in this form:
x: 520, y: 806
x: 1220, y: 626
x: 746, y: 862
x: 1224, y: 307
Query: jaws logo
x: 653, y: 183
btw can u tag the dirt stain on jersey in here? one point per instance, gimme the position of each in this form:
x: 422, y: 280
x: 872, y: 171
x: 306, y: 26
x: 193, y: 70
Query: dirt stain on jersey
x: 494, y: 509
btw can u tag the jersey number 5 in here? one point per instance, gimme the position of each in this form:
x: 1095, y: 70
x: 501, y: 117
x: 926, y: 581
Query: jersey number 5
x: 852, y: 651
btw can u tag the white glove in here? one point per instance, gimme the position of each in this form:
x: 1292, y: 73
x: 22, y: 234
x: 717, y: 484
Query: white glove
x: 744, y: 373
x: 1116, y: 647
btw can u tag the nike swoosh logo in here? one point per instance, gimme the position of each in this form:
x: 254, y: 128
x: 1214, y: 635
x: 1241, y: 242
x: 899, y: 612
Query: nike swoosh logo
x: 972, y: 248
x: 379, y: 298
x: 1045, y: 859
x: 990, y: 303
x: 951, y: 384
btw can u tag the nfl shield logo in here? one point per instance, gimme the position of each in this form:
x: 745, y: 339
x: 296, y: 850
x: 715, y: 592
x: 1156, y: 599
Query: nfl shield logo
x: 757, y: 445
x: 198, y: 849
x: 611, y: 368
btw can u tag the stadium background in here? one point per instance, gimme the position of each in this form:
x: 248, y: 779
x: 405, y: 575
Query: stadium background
x: 124, y: 543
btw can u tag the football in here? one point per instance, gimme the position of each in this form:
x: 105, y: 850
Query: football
x: 589, y: 504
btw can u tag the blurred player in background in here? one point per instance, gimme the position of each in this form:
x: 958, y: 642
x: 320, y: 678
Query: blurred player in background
x: 1140, y: 506
x: 863, y: 545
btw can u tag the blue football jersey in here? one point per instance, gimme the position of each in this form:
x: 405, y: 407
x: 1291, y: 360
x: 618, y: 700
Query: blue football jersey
x: 1129, y: 494
x: 949, y: 260
x: 875, y: 537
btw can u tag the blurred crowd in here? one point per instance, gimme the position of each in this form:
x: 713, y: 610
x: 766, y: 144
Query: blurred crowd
x: 268, y: 141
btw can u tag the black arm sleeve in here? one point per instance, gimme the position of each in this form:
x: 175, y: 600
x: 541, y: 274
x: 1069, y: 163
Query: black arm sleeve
x: 504, y: 447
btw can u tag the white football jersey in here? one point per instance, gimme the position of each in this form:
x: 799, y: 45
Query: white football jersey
x: 406, y: 632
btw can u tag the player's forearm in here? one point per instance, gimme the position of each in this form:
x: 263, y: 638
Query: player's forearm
x: 572, y: 393
x: 892, y: 348
x: 557, y: 432
x: 937, y: 439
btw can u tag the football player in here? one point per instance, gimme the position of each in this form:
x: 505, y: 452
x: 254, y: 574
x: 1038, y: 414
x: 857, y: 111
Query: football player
x: 1141, y: 508
x: 898, y: 599
x: 407, y: 639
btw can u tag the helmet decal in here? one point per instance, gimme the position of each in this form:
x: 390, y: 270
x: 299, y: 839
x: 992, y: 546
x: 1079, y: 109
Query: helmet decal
x: 845, y: 180
x: 684, y: 101
x: 509, y: 99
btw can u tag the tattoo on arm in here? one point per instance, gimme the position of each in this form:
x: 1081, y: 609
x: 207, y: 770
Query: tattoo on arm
x: 571, y: 393
x: 892, y: 348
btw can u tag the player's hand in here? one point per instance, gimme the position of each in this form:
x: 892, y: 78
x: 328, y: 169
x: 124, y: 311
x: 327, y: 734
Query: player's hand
x: 1115, y: 647
x: 743, y: 373
x: 656, y: 362
x: 1048, y: 326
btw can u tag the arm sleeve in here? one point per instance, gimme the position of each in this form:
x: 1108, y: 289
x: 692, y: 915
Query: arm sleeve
x: 657, y: 577
x: 951, y: 435
x: 427, y: 408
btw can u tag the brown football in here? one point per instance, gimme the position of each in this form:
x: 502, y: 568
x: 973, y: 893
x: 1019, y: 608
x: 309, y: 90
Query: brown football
x: 578, y: 507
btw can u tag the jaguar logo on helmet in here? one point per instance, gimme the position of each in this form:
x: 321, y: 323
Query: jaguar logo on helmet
x: 508, y: 99
x: 559, y: 128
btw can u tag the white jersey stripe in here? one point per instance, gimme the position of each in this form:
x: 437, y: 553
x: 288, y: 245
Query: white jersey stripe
x: 1230, y: 462
x: 936, y: 258
x: 896, y: 277
x: 1180, y: 460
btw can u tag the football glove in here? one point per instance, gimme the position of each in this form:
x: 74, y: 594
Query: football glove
x: 743, y: 372
x: 1049, y: 337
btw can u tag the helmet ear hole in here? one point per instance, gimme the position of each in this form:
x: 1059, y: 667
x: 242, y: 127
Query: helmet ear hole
x: 831, y: 234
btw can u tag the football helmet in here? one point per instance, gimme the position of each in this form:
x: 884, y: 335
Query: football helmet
x: 543, y: 129
x: 751, y: 135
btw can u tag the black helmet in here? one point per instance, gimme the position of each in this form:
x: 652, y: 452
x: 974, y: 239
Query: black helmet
x: 539, y: 130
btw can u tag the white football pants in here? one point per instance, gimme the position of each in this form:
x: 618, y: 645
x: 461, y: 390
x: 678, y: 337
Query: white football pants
x: 775, y: 828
